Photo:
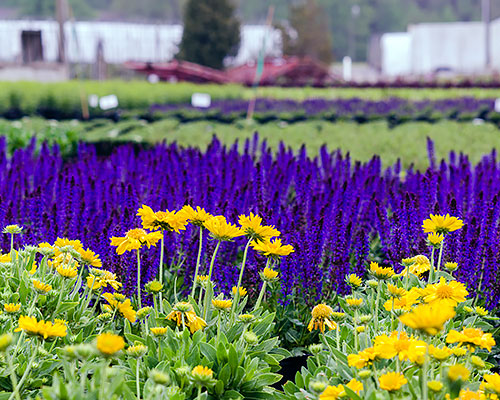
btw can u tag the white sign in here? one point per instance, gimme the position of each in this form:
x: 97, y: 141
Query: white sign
x: 108, y: 102
x: 93, y: 100
x: 497, y: 105
x: 347, y: 68
x: 201, y: 100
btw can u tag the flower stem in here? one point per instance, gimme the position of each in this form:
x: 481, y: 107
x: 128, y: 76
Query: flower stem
x: 13, y: 377
x: 26, y: 373
x: 137, y: 383
x: 200, y: 245
x: 439, y: 260
x: 139, y: 278
x: 431, y: 272
x: 103, y: 379
x: 11, y: 243
x: 262, y: 291
x: 240, y: 278
x: 377, y: 301
x: 161, y: 269
x: 209, y: 289
x: 218, y: 327
x: 425, y: 368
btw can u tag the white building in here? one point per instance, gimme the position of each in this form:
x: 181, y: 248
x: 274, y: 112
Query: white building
x: 121, y: 41
x: 458, y: 47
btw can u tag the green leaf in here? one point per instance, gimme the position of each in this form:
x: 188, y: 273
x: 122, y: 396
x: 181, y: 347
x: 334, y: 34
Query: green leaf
x: 225, y: 374
x: 208, y: 351
x: 233, y: 359
x: 68, y: 305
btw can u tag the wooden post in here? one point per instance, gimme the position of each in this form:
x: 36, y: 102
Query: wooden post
x: 261, y: 61
x: 61, y: 16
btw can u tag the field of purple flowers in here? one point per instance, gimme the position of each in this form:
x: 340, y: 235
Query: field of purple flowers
x: 337, y: 213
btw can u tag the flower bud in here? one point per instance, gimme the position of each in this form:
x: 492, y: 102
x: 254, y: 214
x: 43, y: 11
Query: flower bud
x: 316, y: 348
x: 365, y: 374
x: 144, y: 312
x: 159, y: 377
x: 435, y: 386
x: 372, y: 283
x: 137, y: 351
x: 317, y: 387
x: 251, y: 338
x: 5, y: 341
x: 451, y: 266
x: 478, y: 362
x: 13, y: 229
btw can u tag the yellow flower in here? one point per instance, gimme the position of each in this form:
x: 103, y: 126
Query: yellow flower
x: 321, y: 316
x: 478, y: 362
x: 406, y: 302
x: 196, y: 216
x: 428, y: 318
x: 354, y: 302
x: 442, y: 224
x: 446, y: 294
x: 392, y: 381
x: 435, y: 239
x: 395, y: 291
x: 400, y: 345
x: 159, y: 331
x: 435, y: 386
x: 332, y: 393
x: 268, y: 274
x: 154, y: 286
x: 360, y: 329
x: 222, y: 304
x: 202, y: 278
x: 124, y: 308
x: 5, y: 258
x: 134, y: 239
x: 137, y: 350
x: 418, y: 265
x: 242, y: 291
x: 472, y: 337
x: 355, y: 385
x: 164, y: 220
x: 41, y: 287
x: 13, y: 229
x: 252, y: 226
x: 353, y: 280
x: 44, y: 329
x: 481, y: 311
x: 67, y: 271
x: 183, y: 314
x: 11, y: 307
x: 468, y: 394
x: 63, y: 260
x: 272, y: 248
x: 109, y: 343
x: 381, y: 272
x: 220, y: 229
x: 90, y: 258
x: 492, y: 383
x: 102, y: 278
x: 364, y: 358
x: 61, y: 243
x: 458, y: 371
x: 440, y: 353
x: 459, y: 351
x: 451, y: 266
x: 202, y: 375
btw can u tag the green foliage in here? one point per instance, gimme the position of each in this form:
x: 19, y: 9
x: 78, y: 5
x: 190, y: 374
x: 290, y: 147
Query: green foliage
x: 211, y: 32
x: 313, y: 37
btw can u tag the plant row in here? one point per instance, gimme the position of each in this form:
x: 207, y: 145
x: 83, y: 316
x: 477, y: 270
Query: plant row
x: 69, y: 331
x: 394, y: 110
x: 334, y: 212
x: 69, y: 100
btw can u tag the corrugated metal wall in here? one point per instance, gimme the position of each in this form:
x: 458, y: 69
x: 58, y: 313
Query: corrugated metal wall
x: 122, y: 41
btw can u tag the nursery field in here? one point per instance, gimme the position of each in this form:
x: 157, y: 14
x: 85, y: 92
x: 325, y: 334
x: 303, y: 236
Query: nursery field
x: 341, y: 246
x: 362, y: 141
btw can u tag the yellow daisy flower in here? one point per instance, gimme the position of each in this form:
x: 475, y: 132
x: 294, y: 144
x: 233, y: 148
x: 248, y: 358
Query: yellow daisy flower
x: 428, y: 318
x: 321, y: 316
x: 392, y: 381
x: 220, y: 229
x: 252, y: 226
x: 442, y: 224
x: 109, y: 343
x: 134, y: 239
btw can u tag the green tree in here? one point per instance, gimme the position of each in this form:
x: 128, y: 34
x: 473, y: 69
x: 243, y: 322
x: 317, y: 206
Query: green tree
x: 309, y: 34
x: 211, y: 32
